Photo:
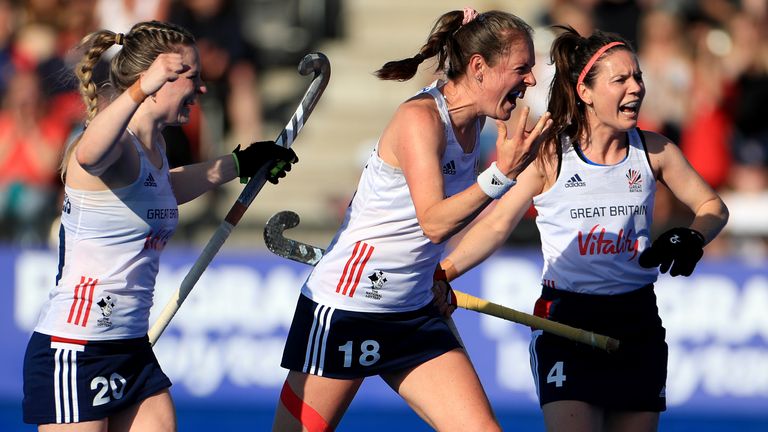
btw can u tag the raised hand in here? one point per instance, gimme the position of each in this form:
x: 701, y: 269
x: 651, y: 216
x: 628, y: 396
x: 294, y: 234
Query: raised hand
x: 167, y: 67
x: 514, y: 154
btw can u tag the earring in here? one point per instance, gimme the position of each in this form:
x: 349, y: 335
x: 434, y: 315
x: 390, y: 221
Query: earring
x: 479, y: 78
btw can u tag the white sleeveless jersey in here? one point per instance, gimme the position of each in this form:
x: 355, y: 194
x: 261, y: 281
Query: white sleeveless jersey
x: 594, y: 222
x: 110, y: 244
x: 380, y: 260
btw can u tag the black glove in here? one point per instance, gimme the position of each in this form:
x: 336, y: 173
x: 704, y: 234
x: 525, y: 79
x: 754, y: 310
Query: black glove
x: 250, y: 159
x: 679, y: 248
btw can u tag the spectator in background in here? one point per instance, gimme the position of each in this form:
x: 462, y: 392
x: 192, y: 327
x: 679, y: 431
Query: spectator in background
x: 232, y: 106
x: 44, y: 12
x: 705, y: 135
x: 665, y: 58
x: 746, y: 66
x: 76, y: 18
x: 30, y: 145
x: 7, y: 26
x: 231, y: 109
x: 121, y: 15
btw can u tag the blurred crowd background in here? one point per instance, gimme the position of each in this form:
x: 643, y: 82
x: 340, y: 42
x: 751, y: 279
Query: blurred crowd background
x: 704, y: 62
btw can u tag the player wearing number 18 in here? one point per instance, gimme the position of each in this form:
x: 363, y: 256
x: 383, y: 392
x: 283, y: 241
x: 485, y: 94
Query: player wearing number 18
x: 89, y: 365
x: 593, y: 187
x: 367, y: 308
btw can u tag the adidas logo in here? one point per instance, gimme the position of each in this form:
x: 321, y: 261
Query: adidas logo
x: 449, y: 168
x: 496, y: 182
x: 150, y: 181
x: 575, y: 181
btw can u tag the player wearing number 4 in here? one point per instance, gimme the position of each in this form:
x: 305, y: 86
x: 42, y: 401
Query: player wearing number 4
x: 367, y: 308
x: 593, y: 187
x: 89, y: 365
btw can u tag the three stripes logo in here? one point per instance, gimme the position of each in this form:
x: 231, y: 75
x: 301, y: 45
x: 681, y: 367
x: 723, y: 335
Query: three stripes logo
x: 496, y: 181
x: 65, y: 378
x: 314, y: 357
x: 449, y: 168
x: 82, y: 301
x: 635, y: 180
x: 575, y: 181
x: 150, y: 181
x: 353, y: 269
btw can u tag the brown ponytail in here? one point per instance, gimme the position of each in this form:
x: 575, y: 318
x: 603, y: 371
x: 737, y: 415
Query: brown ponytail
x: 570, y: 53
x: 490, y: 34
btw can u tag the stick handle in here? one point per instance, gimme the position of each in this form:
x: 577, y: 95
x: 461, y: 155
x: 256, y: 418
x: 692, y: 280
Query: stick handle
x: 202, y: 262
x: 470, y: 302
x: 315, y: 62
x: 308, y: 254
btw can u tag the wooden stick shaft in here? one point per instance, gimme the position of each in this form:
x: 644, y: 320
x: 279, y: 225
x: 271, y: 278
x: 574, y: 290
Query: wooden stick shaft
x: 470, y: 302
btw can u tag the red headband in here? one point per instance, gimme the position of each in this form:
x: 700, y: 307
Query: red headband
x: 594, y: 58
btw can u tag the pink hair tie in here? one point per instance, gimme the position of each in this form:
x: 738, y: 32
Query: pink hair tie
x: 469, y: 15
x: 594, y: 58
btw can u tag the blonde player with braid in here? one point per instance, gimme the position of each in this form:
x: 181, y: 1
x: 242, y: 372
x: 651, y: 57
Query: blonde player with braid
x: 89, y: 365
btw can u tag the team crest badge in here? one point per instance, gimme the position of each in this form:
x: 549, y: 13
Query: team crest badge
x: 635, y: 180
x: 378, y: 280
x: 107, y: 305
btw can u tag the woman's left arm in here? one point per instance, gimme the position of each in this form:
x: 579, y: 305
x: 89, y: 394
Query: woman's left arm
x: 673, y: 170
x: 191, y: 181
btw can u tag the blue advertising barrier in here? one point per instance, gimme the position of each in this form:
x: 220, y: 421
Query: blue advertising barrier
x: 224, y: 346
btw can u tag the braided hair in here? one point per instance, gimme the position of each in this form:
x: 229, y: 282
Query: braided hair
x: 140, y: 47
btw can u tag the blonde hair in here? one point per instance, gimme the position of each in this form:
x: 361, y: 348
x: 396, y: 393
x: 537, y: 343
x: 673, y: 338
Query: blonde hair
x: 141, y: 46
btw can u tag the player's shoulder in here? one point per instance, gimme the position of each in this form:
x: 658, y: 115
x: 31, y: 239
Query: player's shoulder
x: 420, y: 110
x: 654, y: 141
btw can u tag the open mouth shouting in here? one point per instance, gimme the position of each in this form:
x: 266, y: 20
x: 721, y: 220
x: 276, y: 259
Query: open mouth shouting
x: 630, y: 109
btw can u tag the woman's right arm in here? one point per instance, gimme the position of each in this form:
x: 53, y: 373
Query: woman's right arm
x: 491, y: 231
x: 416, y: 141
x: 98, y: 149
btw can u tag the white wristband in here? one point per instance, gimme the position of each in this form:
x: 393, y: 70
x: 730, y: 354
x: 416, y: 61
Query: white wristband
x: 493, y: 182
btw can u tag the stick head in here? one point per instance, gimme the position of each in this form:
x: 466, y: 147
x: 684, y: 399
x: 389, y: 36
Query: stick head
x: 317, y: 63
x: 278, y: 244
x: 273, y: 231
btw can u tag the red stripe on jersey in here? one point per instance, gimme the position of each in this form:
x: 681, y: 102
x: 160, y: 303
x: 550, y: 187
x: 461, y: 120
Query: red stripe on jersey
x: 360, y: 271
x: 356, y: 269
x: 346, y: 267
x: 352, y: 270
x: 83, y: 300
x: 69, y: 341
x: 91, y: 289
x: 75, y: 299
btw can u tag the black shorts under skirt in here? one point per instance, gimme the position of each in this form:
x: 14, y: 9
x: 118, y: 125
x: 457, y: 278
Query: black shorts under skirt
x: 68, y: 381
x: 633, y: 378
x: 335, y: 343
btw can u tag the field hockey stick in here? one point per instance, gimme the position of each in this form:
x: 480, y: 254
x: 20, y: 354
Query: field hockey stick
x: 297, y: 251
x: 315, y: 63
